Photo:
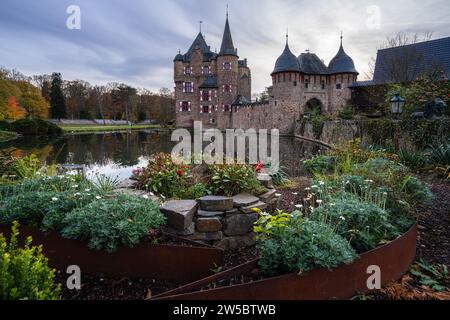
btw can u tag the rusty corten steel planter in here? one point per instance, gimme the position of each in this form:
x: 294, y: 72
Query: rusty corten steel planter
x: 181, y: 264
x: 394, y: 259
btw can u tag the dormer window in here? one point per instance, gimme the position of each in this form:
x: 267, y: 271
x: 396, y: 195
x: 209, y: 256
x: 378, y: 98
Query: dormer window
x: 187, y: 70
x: 227, y: 66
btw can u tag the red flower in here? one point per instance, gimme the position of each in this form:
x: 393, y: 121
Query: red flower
x: 259, y: 167
x: 180, y: 172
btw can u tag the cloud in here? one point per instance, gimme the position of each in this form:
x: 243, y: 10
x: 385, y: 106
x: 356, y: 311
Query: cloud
x: 135, y: 41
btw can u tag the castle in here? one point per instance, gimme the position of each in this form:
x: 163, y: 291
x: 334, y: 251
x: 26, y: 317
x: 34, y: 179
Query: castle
x: 215, y: 88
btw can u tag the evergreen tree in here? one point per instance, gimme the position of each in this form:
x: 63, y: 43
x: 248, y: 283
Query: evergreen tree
x: 57, y: 101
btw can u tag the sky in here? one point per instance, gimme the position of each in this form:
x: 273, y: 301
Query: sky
x: 135, y: 41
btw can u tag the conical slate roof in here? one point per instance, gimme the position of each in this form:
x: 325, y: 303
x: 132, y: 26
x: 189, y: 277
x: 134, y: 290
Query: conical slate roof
x: 227, y: 47
x: 311, y: 64
x: 342, y: 63
x: 287, y: 62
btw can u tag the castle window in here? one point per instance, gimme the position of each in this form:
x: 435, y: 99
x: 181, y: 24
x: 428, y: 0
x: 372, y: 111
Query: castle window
x: 205, y: 109
x: 205, y: 95
x: 213, y: 121
x: 323, y: 84
x: 227, y: 66
x: 188, y: 70
x: 226, y: 108
x: 295, y: 83
x: 227, y: 88
x: 185, y: 106
x: 338, y: 86
x: 206, y: 70
x: 188, y: 87
x: 306, y: 83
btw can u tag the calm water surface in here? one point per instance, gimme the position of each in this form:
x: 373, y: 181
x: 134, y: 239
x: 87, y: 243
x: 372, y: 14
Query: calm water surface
x: 118, y: 154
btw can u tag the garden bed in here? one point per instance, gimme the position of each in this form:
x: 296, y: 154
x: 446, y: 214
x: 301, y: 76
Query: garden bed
x: 181, y: 261
x: 394, y: 260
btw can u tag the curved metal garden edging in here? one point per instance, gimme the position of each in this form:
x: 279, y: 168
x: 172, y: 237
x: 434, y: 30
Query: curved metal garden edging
x: 181, y: 264
x: 394, y: 260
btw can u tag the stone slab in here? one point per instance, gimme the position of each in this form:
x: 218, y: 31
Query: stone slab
x: 216, y: 203
x: 179, y: 213
x: 244, y: 200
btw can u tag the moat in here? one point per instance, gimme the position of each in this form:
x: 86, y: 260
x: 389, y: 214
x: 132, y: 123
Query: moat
x: 116, y: 154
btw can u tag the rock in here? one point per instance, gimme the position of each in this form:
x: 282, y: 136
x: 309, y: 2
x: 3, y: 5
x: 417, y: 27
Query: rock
x: 216, y: 203
x: 269, y: 195
x: 234, y: 243
x: 189, y: 231
x: 206, y: 236
x: 244, y: 200
x: 265, y: 179
x: 232, y: 211
x: 209, y: 225
x: 209, y: 214
x: 273, y: 204
x: 126, y: 184
x: 179, y: 213
x: 259, y: 205
x: 239, y: 224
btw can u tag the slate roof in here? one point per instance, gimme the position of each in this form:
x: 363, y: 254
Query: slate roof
x: 287, y: 62
x: 342, y: 63
x: 311, y: 64
x: 200, y: 43
x: 210, y: 82
x: 429, y: 55
x: 227, y: 47
x: 241, y: 101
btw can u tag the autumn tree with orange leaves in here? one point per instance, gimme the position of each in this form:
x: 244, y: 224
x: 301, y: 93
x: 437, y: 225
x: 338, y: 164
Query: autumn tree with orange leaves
x: 15, y: 111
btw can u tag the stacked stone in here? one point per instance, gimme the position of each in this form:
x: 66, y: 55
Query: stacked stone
x: 226, y: 222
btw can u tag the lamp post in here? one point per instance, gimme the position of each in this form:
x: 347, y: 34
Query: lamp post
x: 397, y: 105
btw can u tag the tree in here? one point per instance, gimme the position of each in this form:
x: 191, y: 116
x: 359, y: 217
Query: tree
x: 32, y: 101
x: 76, y: 92
x: 126, y: 97
x: 57, y: 100
x: 15, y: 111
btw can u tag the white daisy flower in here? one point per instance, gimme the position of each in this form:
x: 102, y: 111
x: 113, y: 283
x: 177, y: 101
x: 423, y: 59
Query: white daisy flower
x: 54, y: 199
x: 98, y: 197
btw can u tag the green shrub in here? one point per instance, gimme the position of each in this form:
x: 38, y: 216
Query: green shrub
x: 193, y: 192
x: 41, y: 208
x: 24, y: 272
x: 364, y: 224
x: 347, y: 112
x: 27, y: 167
x: 163, y: 176
x: 232, y: 179
x: 440, y: 154
x: 107, y: 223
x: 411, y: 159
x: 319, y: 164
x: 301, y: 245
x: 35, y: 127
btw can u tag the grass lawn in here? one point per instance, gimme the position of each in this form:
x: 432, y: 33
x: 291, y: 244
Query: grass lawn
x: 7, y: 136
x: 100, y: 128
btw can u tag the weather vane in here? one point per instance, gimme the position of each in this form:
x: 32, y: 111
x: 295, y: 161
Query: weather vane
x: 200, y: 25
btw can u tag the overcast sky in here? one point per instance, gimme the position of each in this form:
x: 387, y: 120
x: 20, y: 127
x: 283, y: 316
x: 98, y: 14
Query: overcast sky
x: 135, y: 41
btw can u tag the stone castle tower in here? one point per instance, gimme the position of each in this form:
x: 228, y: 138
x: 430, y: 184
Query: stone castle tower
x: 215, y: 88
x: 207, y: 83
